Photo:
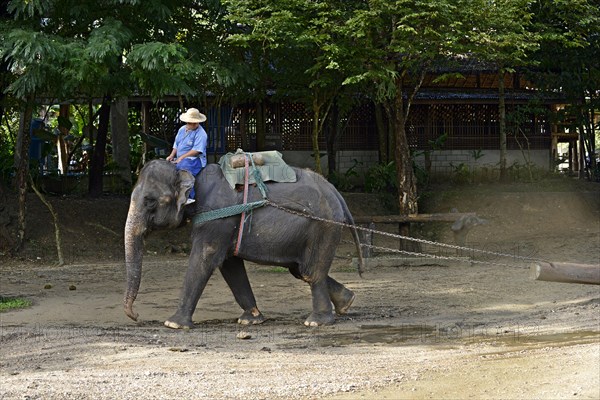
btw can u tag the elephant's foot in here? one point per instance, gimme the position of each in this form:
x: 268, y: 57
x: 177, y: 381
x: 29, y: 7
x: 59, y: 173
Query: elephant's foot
x: 319, y: 319
x: 251, y: 317
x: 177, y: 322
x: 342, y: 301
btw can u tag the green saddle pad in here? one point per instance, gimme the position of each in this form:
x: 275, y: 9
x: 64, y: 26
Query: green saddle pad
x: 274, y: 169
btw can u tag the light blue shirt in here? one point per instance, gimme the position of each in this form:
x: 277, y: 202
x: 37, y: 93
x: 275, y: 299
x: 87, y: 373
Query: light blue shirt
x: 192, y: 140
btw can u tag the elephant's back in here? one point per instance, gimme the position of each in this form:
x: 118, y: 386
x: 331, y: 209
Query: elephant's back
x: 312, y: 192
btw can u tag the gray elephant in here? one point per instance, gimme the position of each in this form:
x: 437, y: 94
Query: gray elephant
x: 277, y: 237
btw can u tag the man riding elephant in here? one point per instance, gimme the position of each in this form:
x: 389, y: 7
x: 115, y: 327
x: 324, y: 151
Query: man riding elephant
x: 189, y: 149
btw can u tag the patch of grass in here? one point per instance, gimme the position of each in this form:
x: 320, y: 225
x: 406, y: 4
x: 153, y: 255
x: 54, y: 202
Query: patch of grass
x: 278, y: 270
x: 13, y: 303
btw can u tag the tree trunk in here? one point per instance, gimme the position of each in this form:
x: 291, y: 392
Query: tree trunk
x: 7, y: 243
x: 97, y: 162
x: 407, y: 182
x: 331, y: 135
x: 120, y: 138
x: 145, y: 117
x: 22, y: 169
x: 502, y: 126
x: 244, y: 128
x: 260, y: 125
x: 61, y: 144
x: 391, y: 130
x: 315, y: 136
x: 382, y: 133
x: 57, y: 237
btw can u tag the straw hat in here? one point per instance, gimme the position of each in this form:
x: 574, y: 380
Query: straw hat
x: 192, y: 115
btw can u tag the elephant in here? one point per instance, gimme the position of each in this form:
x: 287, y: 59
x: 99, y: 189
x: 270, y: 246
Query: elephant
x: 306, y: 246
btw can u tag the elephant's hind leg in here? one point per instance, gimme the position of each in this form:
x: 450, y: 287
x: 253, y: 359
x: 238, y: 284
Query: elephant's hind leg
x: 341, y: 297
x: 234, y: 273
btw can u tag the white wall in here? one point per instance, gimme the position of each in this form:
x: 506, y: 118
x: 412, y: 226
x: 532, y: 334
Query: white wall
x: 443, y: 162
x: 446, y: 161
x: 344, y: 160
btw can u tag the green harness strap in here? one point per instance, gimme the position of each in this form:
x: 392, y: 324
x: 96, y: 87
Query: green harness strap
x: 237, y: 208
x: 227, y: 211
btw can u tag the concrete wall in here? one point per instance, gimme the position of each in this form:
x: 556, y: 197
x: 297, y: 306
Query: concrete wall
x: 360, y: 160
x: 444, y: 162
x: 460, y: 165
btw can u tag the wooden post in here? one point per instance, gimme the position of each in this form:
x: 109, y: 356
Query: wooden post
x: 145, y: 120
x: 366, y: 237
x: 566, y: 272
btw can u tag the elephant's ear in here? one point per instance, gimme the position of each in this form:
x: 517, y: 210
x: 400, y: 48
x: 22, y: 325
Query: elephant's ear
x: 185, y: 182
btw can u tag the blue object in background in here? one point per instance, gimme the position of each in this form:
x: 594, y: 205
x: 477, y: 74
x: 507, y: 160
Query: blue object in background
x: 36, y: 144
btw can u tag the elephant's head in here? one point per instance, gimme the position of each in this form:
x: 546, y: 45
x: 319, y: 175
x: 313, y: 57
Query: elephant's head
x: 157, y: 201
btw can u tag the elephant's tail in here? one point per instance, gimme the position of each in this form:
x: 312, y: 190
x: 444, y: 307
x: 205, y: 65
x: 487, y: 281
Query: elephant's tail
x: 355, y: 236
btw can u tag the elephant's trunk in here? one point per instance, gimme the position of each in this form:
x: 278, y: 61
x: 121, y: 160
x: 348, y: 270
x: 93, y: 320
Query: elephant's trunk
x: 134, y: 248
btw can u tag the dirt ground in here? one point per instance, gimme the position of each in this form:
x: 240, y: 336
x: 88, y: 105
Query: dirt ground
x: 441, y: 329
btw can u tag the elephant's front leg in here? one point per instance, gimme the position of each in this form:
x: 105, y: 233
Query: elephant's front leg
x: 234, y: 273
x: 322, y: 310
x: 203, y: 262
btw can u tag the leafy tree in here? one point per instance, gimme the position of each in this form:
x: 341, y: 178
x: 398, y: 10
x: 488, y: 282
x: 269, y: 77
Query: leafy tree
x: 65, y: 49
x: 569, y: 61
x: 300, y: 49
x: 102, y: 50
x: 400, y: 41
x: 502, y: 37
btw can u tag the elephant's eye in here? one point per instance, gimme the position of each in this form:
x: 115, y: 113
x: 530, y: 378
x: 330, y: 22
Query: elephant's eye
x: 150, y: 202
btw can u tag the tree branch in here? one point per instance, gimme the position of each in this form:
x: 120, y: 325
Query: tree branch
x: 61, y: 260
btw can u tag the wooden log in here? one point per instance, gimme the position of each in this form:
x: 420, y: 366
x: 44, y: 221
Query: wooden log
x: 239, y: 160
x: 437, y: 217
x: 566, y: 272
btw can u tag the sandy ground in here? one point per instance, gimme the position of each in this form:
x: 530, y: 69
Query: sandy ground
x: 441, y: 330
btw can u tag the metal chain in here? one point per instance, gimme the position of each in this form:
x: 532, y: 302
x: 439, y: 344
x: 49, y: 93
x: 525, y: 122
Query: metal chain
x: 432, y: 256
x: 396, y: 236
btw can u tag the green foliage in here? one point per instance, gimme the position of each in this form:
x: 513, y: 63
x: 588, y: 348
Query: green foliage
x: 461, y: 173
x: 501, y: 32
x: 6, y: 160
x: 8, y: 133
x: 381, y: 178
x: 151, y: 61
x: 568, y: 62
x: 13, y: 303
x: 422, y: 174
x: 477, y: 154
x: 345, y: 181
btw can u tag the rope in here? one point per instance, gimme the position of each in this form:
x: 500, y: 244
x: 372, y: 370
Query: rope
x: 258, y: 177
x: 243, y: 218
